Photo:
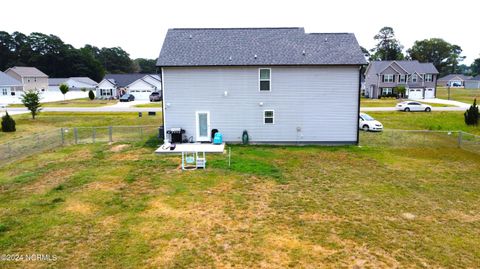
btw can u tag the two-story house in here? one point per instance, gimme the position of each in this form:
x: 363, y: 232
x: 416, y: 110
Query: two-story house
x: 278, y: 85
x: 30, y: 77
x: 383, y: 77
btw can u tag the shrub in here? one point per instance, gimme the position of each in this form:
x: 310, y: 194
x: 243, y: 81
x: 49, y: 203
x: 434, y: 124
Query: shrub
x: 8, y: 124
x: 64, y: 89
x: 400, y: 90
x: 31, y: 100
x: 91, y: 95
x: 472, y: 114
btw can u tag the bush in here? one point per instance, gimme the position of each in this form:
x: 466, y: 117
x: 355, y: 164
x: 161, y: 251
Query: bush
x: 8, y: 124
x: 472, y: 114
x: 31, y: 100
x: 91, y: 95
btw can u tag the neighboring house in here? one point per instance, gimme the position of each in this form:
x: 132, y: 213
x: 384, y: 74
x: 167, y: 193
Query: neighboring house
x: 281, y: 85
x: 473, y: 83
x: 453, y: 80
x: 140, y: 85
x: 9, y: 86
x: 73, y: 83
x: 419, y: 79
x: 30, y: 77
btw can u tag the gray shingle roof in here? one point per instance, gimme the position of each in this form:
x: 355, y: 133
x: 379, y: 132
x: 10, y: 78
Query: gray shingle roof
x: 123, y: 80
x: 409, y: 66
x: 451, y: 76
x: 6, y: 80
x: 258, y: 46
x: 25, y: 71
x: 58, y: 81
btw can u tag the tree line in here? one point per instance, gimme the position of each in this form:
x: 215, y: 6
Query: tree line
x: 57, y: 59
x: 445, y: 57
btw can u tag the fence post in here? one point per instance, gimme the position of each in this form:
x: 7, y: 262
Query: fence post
x: 75, y: 134
x: 62, y: 135
x: 460, y: 139
x: 110, y: 134
x: 93, y: 134
x: 141, y: 132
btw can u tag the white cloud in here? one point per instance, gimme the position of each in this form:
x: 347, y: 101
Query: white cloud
x: 139, y: 26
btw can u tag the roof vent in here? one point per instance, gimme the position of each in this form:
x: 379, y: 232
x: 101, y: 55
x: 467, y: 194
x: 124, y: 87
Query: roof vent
x: 255, y: 56
x: 303, y: 52
x: 230, y: 58
x: 326, y: 39
x: 190, y: 36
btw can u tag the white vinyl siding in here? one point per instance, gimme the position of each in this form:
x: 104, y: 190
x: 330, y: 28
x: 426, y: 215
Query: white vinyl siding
x: 311, y: 104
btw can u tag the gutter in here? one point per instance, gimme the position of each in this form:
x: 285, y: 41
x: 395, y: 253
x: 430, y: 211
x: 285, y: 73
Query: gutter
x: 358, y: 111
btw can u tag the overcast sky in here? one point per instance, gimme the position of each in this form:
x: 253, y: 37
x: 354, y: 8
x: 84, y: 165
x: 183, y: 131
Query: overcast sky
x: 139, y: 26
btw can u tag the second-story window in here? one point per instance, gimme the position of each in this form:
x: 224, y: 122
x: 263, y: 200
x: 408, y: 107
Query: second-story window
x: 428, y: 78
x: 388, y: 78
x: 265, y: 79
x: 414, y: 78
x: 401, y: 78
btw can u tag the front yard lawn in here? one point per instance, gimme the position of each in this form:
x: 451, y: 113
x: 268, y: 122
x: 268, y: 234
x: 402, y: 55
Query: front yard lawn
x: 151, y: 104
x: 437, y: 120
x: 390, y: 102
x: 83, y: 102
x: 121, y: 206
x: 49, y: 120
x: 461, y: 95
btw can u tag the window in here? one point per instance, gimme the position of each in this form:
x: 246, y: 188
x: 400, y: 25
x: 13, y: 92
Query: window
x: 388, y: 78
x: 401, y: 78
x: 428, y: 78
x: 386, y: 91
x: 268, y: 116
x: 414, y: 78
x: 264, y: 79
x: 4, y: 91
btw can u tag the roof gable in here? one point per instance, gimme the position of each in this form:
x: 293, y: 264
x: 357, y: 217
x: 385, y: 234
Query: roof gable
x: 6, y: 80
x: 410, y: 66
x: 258, y: 46
x: 25, y: 71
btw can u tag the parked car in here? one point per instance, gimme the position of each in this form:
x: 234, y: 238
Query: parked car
x: 155, y: 97
x: 127, y: 98
x: 413, y: 106
x: 367, y: 123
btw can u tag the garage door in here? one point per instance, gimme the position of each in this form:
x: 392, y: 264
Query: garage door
x: 415, y: 94
x: 429, y: 93
x: 141, y: 94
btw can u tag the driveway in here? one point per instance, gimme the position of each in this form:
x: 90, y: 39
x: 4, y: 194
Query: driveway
x: 129, y: 104
x: 452, y: 108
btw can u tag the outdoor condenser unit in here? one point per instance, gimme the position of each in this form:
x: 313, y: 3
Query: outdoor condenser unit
x: 176, y: 135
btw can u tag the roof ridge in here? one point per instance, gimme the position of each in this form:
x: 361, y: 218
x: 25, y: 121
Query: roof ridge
x: 239, y: 28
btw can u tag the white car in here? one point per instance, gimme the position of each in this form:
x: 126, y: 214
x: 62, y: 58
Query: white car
x: 413, y: 106
x: 367, y: 123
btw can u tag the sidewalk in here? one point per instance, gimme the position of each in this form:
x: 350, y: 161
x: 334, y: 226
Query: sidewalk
x: 444, y: 102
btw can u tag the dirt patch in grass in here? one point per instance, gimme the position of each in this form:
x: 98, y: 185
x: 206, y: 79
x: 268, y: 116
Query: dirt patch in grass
x: 118, y: 148
x: 108, y: 185
x: 462, y: 217
x: 49, y: 180
x: 79, y: 207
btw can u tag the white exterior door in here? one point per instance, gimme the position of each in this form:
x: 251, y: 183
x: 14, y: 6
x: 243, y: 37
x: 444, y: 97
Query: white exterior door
x: 415, y: 94
x: 203, y: 125
x: 429, y: 93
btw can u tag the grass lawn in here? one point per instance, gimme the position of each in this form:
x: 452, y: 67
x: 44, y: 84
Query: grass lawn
x: 310, y: 207
x: 83, y: 102
x: 437, y: 120
x: 389, y: 102
x: 461, y: 95
x: 151, y: 104
x: 48, y: 120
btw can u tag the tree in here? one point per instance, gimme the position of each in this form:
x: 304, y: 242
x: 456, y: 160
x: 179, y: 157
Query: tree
x: 8, y: 123
x: 31, y: 100
x: 400, y: 90
x: 475, y: 67
x: 388, y: 47
x: 91, y: 95
x: 444, y: 56
x: 365, y: 52
x: 145, y: 66
x: 471, y: 115
x: 64, y: 89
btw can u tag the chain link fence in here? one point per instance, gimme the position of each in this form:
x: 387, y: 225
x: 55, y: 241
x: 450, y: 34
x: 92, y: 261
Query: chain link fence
x: 26, y: 146
x: 422, y: 138
x: 37, y: 143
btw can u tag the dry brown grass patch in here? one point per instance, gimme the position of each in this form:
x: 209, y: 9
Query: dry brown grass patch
x: 79, y: 207
x: 49, y: 180
x: 118, y: 148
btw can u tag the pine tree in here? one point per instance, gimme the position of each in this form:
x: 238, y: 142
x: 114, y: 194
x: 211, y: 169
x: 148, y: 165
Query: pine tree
x: 8, y: 124
x: 91, y: 95
x: 472, y: 114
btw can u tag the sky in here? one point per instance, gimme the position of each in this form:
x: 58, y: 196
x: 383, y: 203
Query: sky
x: 139, y: 26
